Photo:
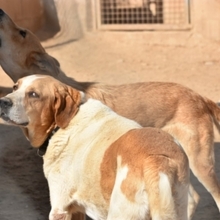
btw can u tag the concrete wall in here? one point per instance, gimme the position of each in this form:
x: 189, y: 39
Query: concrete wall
x: 71, y: 19
x: 75, y: 17
x: 206, y: 18
x: 78, y: 17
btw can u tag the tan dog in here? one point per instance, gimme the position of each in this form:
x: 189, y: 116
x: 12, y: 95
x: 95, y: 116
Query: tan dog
x: 178, y: 110
x: 98, y: 162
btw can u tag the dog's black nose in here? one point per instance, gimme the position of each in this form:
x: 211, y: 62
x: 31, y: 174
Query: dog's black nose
x: 5, y: 103
x: 1, y: 12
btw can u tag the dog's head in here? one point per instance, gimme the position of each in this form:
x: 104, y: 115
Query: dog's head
x: 21, y: 53
x: 38, y: 104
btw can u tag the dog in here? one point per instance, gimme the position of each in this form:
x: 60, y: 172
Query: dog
x: 183, y: 113
x: 98, y: 162
x: 4, y: 91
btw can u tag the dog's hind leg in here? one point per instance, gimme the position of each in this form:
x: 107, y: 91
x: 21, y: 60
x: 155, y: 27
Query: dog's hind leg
x: 168, y: 206
x: 202, y: 164
x: 198, y: 143
x: 193, y: 200
x: 128, y: 199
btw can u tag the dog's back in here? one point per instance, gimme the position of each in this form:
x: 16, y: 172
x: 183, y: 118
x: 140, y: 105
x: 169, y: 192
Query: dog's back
x: 115, y: 169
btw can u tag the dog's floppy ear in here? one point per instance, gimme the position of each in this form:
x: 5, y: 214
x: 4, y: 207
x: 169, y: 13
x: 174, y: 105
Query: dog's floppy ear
x: 66, y: 105
x: 43, y: 62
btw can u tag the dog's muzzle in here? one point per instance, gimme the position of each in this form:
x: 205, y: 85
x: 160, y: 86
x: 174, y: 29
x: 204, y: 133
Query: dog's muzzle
x: 5, y: 105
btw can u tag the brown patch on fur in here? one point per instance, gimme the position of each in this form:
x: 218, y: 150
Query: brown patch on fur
x: 145, y: 152
x: 66, y: 105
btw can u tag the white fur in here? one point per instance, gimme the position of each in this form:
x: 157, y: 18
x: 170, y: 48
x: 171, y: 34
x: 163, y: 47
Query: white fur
x: 92, y: 118
x: 27, y: 81
x: 17, y: 112
x: 119, y: 202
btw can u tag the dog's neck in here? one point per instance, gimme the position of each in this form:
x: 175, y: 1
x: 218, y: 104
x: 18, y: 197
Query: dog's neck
x: 43, y: 148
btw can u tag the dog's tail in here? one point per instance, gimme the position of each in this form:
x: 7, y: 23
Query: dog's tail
x: 159, y: 190
x: 166, y: 187
x: 214, y: 109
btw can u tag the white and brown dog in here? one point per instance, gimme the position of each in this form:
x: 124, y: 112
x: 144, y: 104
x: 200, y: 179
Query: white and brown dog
x: 98, y: 162
x: 183, y: 113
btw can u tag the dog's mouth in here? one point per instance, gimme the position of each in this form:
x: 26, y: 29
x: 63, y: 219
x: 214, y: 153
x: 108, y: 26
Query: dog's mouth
x: 8, y: 120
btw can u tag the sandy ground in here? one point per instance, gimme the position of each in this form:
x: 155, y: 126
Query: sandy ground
x: 113, y: 60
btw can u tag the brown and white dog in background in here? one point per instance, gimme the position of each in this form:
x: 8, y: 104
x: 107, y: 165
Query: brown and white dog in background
x: 99, y: 162
x: 183, y: 113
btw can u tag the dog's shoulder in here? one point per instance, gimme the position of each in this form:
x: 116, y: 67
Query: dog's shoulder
x: 96, y: 112
x: 94, y: 122
x: 89, y: 134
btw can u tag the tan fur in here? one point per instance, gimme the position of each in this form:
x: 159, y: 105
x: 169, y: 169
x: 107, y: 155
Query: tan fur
x: 99, y: 162
x: 176, y: 109
x: 155, y: 162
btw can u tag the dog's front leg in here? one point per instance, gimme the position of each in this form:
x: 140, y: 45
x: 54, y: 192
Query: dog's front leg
x: 59, y: 215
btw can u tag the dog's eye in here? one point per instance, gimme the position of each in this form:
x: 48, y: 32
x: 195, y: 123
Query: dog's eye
x: 15, y: 87
x: 33, y: 95
x: 23, y: 33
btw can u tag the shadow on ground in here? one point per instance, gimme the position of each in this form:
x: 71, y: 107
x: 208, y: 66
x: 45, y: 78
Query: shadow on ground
x: 22, y: 183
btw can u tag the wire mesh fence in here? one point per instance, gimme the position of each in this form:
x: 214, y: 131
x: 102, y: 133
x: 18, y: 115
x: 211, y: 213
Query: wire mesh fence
x: 130, y: 13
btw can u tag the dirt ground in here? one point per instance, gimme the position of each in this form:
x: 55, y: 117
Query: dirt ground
x: 114, y: 60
